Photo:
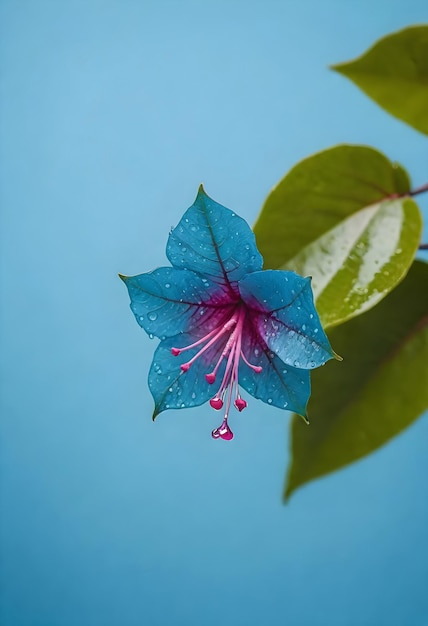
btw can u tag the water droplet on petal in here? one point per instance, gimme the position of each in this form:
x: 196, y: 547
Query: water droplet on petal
x: 152, y: 316
x: 296, y: 363
x: 151, y: 335
x: 167, y: 285
x: 269, y: 400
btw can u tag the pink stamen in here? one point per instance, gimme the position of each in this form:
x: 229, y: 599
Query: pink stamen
x: 216, y: 403
x: 177, y: 351
x: 240, y: 404
x: 232, y: 353
x: 256, y: 368
x: 223, y: 431
x: 218, y: 333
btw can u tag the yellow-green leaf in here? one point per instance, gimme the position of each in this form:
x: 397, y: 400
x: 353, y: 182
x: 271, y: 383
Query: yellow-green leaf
x: 318, y: 193
x: 394, y: 73
x: 357, y: 263
x: 379, y: 390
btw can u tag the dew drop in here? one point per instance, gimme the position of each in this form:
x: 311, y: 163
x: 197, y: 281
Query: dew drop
x: 151, y: 335
x: 312, y: 364
x: 296, y: 363
x: 152, y: 316
x: 167, y: 285
x: 269, y: 400
x: 141, y: 318
x: 193, y: 395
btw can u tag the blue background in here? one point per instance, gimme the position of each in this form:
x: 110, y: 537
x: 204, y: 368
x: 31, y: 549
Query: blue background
x: 112, y: 114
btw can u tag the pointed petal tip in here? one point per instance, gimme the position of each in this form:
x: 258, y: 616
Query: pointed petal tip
x: 201, y: 192
x: 123, y: 277
x: 304, y: 417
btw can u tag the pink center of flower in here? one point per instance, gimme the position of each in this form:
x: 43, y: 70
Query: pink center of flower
x: 232, y: 353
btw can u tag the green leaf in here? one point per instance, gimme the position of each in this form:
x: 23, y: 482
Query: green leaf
x: 318, y: 193
x: 357, y: 263
x: 394, y: 73
x: 379, y: 389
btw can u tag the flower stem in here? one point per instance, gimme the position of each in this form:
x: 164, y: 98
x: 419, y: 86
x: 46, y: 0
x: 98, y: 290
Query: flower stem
x: 418, y: 190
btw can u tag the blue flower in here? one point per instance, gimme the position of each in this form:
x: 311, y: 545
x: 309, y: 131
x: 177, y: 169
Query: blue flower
x: 224, y: 323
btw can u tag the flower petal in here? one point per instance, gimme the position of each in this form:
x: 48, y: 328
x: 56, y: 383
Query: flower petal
x: 172, y: 388
x: 283, y: 313
x: 215, y: 242
x: 169, y: 300
x: 278, y: 384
